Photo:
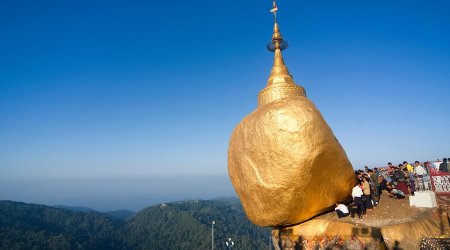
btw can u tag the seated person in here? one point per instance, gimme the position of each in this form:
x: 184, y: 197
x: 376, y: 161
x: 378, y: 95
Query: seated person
x: 383, y: 182
x: 341, y: 210
x: 389, y: 187
x: 398, y: 194
x: 393, y: 192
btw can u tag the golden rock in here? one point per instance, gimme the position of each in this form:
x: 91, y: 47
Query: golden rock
x: 284, y: 161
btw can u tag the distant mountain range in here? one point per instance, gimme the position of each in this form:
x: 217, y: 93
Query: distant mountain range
x: 75, y: 209
x: 121, y: 214
x: 176, y: 225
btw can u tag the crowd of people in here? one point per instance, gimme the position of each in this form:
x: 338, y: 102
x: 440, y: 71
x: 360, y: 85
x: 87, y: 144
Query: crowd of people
x: 395, y: 181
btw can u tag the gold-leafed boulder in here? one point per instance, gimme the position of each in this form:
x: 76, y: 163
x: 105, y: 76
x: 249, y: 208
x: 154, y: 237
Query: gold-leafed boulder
x: 284, y: 161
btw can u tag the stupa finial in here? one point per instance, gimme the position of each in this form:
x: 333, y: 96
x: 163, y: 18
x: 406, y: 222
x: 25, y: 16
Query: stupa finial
x: 274, y: 10
x: 280, y: 84
x: 277, y: 40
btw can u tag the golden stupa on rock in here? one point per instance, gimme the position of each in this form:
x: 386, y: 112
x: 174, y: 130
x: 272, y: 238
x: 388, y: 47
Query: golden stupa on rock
x: 284, y: 161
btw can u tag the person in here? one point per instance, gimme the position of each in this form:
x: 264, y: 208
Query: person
x: 412, y: 182
x: 359, y: 174
x: 376, y: 172
x: 389, y: 166
x: 341, y: 210
x: 408, y: 167
x: 398, y: 194
x: 436, y: 164
x: 357, y: 194
x: 389, y: 187
x: 376, y: 184
x: 389, y: 171
x: 353, y: 207
x: 382, y: 182
x: 367, y: 198
x: 400, y: 179
x: 398, y: 174
x: 393, y: 192
x: 430, y: 167
x: 421, y: 174
x: 443, y: 167
x: 420, y: 171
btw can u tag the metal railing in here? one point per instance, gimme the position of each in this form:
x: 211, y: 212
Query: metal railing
x: 440, y: 182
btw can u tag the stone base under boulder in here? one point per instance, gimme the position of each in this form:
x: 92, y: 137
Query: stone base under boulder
x: 393, y: 224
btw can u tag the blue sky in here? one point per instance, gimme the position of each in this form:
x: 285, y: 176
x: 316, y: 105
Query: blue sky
x: 102, y: 90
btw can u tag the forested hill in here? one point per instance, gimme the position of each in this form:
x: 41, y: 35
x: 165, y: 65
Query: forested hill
x: 31, y: 226
x: 178, y: 225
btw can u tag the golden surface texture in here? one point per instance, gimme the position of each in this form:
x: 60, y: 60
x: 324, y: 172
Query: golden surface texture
x: 286, y: 165
x: 284, y: 161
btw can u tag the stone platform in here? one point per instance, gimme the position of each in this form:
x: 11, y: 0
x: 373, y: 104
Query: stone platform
x: 394, y: 224
x: 423, y: 199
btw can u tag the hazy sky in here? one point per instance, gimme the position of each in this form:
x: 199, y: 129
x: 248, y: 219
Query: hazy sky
x: 101, y: 91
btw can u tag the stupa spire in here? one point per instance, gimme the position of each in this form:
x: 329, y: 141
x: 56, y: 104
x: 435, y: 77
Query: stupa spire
x: 280, y: 84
